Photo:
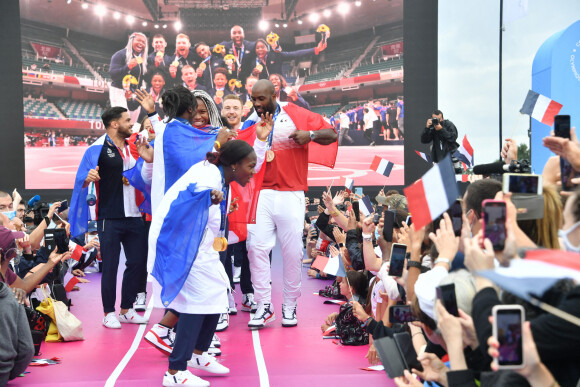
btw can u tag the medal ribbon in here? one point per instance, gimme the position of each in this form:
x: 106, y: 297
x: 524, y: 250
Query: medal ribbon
x: 224, y: 203
x: 271, y: 135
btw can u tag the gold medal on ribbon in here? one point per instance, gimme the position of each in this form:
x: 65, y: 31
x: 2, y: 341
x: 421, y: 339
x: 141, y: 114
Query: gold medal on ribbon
x: 249, y: 104
x: 202, y: 66
x: 125, y: 181
x: 159, y: 53
x: 219, y: 93
x: 270, y: 155
x: 175, y: 63
x: 218, y: 244
x: 259, y: 68
x: 139, y: 60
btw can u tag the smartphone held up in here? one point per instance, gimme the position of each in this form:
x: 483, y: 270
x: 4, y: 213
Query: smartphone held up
x: 508, y: 321
x: 494, y: 218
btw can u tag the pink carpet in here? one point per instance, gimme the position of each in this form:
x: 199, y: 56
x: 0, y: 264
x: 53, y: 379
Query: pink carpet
x: 293, y: 356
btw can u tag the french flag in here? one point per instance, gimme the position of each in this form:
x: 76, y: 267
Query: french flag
x: 424, y: 156
x: 433, y: 194
x: 366, y: 207
x: 70, y: 281
x: 538, y: 272
x: 465, y: 152
x: 540, y: 107
x: 333, y: 265
x: 348, y: 184
x: 382, y: 166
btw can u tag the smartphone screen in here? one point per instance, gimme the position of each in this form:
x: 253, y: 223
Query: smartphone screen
x: 401, y: 314
x: 567, y: 173
x: 409, y: 221
x: 377, y: 215
x: 63, y: 206
x: 388, y: 226
x: 356, y: 210
x: 446, y: 293
x: 397, y: 264
x: 507, y: 330
x: 522, y: 183
x: 358, y: 191
x: 562, y: 126
x: 494, y: 216
x: 455, y: 212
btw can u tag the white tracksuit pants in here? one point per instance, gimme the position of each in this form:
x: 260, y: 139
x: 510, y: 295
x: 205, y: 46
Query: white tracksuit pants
x: 279, y: 213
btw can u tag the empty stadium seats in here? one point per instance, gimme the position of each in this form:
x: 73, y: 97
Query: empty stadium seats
x: 34, y: 108
x: 80, y: 110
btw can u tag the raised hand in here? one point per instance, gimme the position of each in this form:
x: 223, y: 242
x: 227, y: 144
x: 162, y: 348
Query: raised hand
x: 145, y: 151
x: 265, y: 126
x: 146, y: 100
x: 216, y: 196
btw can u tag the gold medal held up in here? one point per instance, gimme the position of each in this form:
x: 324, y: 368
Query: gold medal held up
x: 270, y: 155
x: 125, y: 181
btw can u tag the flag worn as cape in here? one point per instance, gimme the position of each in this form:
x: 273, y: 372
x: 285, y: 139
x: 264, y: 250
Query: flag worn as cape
x: 177, y: 237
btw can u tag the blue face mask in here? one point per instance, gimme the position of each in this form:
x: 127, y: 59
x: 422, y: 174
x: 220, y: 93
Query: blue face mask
x: 10, y: 214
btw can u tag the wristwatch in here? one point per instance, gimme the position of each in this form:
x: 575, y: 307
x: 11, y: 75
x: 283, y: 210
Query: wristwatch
x: 312, y: 135
x: 341, y: 245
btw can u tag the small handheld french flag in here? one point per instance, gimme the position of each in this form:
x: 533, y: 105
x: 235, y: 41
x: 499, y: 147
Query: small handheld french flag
x: 424, y: 156
x: 433, y: 194
x: 465, y: 152
x: 365, y: 206
x: 540, y: 107
x: 348, y: 184
x: 382, y: 166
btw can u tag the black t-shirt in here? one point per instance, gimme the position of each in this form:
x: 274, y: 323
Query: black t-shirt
x: 110, y: 186
x: 392, y: 113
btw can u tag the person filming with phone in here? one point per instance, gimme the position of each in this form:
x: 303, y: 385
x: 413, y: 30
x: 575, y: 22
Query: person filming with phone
x: 442, y: 134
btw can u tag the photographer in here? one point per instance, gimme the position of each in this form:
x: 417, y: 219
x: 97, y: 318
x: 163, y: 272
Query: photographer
x: 443, y: 134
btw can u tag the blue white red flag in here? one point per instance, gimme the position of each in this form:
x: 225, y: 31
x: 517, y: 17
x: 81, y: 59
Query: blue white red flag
x: 433, y: 194
x: 540, y: 107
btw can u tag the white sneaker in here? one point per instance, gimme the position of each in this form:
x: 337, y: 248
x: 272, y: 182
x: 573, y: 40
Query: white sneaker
x: 183, y: 378
x: 131, y: 317
x: 248, y: 303
x: 140, y: 302
x: 161, y: 338
x: 289, y: 316
x: 215, y: 342
x: 207, y: 363
x: 110, y: 321
x: 237, y: 273
x: 232, y: 309
x: 214, y: 351
x: 264, y: 315
x: 223, y: 322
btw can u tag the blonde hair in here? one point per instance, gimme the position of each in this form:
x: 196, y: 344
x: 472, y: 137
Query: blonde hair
x: 549, y: 224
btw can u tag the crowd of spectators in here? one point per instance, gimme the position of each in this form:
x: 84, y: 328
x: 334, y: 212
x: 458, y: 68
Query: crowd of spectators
x: 453, y: 350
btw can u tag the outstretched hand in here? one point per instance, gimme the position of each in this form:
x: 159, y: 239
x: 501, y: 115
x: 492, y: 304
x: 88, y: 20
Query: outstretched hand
x: 146, y: 100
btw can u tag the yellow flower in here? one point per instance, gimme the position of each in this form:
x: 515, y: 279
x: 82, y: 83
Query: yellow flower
x: 238, y: 84
x: 323, y: 28
x: 218, y: 48
x: 232, y: 83
x: 229, y: 57
x: 272, y: 38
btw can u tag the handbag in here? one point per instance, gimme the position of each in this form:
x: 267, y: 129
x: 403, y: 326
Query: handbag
x: 349, y: 329
x: 64, y: 326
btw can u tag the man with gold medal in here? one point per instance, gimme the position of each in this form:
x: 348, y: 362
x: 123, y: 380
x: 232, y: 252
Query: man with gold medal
x: 297, y: 138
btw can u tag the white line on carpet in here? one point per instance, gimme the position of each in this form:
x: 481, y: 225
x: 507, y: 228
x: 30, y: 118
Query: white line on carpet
x: 125, y: 360
x: 262, y: 371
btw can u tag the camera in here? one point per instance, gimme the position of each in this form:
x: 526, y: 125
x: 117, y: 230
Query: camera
x: 435, y: 121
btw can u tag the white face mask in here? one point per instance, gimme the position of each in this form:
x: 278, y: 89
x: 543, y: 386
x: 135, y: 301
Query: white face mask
x: 564, y: 235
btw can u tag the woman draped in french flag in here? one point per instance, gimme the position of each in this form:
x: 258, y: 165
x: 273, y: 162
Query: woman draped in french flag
x: 185, y: 251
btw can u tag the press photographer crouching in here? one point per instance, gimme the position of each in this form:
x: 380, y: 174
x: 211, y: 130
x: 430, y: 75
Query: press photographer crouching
x: 443, y: 135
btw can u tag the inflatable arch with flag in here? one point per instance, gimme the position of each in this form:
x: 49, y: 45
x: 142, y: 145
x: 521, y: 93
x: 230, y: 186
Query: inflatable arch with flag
x: 556, y: 74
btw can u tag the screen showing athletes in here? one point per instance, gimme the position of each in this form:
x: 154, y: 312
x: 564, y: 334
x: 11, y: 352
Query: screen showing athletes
x: 76, y: 63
